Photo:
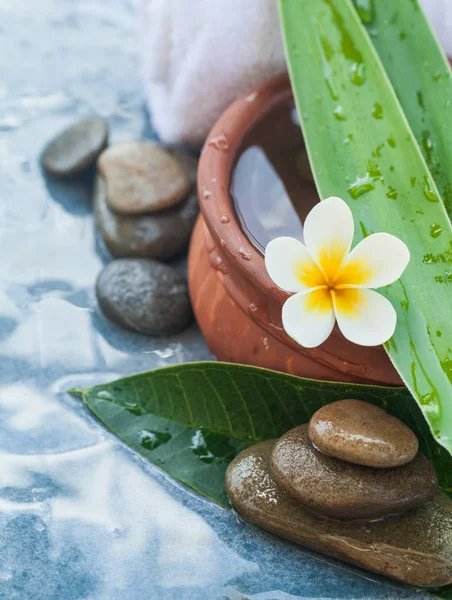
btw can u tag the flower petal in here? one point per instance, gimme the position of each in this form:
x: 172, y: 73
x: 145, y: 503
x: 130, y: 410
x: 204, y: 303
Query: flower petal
x: 328, y: 234
x: 290, y: 265
x: 309, y: 317
x: 364, y: 317
x: 378, y: 260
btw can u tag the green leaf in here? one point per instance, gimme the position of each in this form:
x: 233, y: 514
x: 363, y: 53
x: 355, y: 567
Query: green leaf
x: 421, y: 77
x: 443, y: 593
x: 192, y: 419
x: 362, y: 149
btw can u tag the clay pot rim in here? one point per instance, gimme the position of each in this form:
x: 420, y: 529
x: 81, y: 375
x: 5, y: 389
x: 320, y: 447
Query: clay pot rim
x: 214, y: 176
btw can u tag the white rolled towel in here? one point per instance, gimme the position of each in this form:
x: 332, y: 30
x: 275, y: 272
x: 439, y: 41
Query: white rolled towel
x: 199, y: 55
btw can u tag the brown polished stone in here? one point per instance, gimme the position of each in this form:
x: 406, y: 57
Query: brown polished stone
x: 362, y: 433
x: 415, y: 548
x: 336, y: 488
x: 142, y: 177
x: 187, y: 161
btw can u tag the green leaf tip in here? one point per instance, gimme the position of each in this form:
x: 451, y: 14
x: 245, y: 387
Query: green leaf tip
x: 77, y: 391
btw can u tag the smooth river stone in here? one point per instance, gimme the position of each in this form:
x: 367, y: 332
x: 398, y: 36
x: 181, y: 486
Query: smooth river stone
x: 335, y: 488
x: 362, y: 433
x: 161, y: 235
x: 415, y: 548
x: 142, y: 177
x: 76, y: 148
x: 145, y: 296
x: 187, y: 161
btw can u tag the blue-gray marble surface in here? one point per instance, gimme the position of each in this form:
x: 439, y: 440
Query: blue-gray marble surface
x: 82, y: 516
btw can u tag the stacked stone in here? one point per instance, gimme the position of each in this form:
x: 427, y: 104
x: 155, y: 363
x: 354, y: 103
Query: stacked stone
x: 145, y: 200
x: 353, y: 461
x: 145, y: 207
x: 353, y: 484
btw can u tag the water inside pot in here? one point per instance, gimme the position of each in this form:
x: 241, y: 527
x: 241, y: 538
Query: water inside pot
x: 272, y: 185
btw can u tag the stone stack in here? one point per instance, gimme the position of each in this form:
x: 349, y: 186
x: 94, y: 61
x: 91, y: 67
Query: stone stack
x: 145, y: 200
x: 351, y: 484
x: 145, y: 207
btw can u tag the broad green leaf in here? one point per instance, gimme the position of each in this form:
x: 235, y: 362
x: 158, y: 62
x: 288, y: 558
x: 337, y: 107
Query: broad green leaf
x: 192, y: 419
x: 421, y: 77
x: 362, y: 149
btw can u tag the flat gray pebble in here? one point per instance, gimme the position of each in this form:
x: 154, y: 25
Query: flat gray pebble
x: 76, y: 148
x: 145, y: 296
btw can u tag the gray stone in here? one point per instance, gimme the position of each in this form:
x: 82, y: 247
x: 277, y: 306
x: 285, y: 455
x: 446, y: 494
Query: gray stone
x: 161, y: 235
x: 76, y: 148
x: 414, y: 548
x: 187, y: 161
x: 142, y: 177
x: 145, y: 296
x: 336, y: 488
x: 362, y: 433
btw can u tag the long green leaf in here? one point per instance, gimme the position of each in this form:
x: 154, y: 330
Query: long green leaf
x: 421, y: 77
x: 362, y: 149
x: 192, y: 419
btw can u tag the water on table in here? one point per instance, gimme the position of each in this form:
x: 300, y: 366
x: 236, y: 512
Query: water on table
x: 272, y: 184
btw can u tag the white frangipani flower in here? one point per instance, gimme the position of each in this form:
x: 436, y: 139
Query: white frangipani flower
x: 330, y: 282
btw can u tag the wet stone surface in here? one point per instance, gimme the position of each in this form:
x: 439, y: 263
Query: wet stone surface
x: 160, y: 235
x: 339, y: 489
x: 141, y: 177
x: 76, y: 148
x: 145, y: 296
x: 187, y: 161
x: 362, y: 433
x: 414, y: 548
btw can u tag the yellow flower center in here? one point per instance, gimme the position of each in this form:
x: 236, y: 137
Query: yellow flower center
x: 333, y: 280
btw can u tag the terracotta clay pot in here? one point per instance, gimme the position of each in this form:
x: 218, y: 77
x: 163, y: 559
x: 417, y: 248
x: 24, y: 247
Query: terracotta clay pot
x: 236, y: 304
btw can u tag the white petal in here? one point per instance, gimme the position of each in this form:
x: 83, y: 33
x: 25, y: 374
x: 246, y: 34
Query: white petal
x: 364, y: 317
x: 328, y: 234
x: 378, y: 260
x: 309, y: 317
x: 290, y: 265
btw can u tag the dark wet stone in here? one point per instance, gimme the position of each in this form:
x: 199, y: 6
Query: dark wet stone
x: 142, y: 177
x: 362, y: 433
x: 76, y: 148
x: 161, y: 235
x: 145, y: 296
x: 336, y: 488
x: 414, y: 548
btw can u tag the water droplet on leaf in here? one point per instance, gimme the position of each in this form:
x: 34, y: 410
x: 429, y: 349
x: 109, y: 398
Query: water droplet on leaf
x: 361, y: 186
x: 429, y: 191
x: 365, y: 10
x: 377, y: 111
x: 435, y: 230
x: 153, y: 439
x: 392, y: 193
x: 358, y: 73
x: 339, y: 113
